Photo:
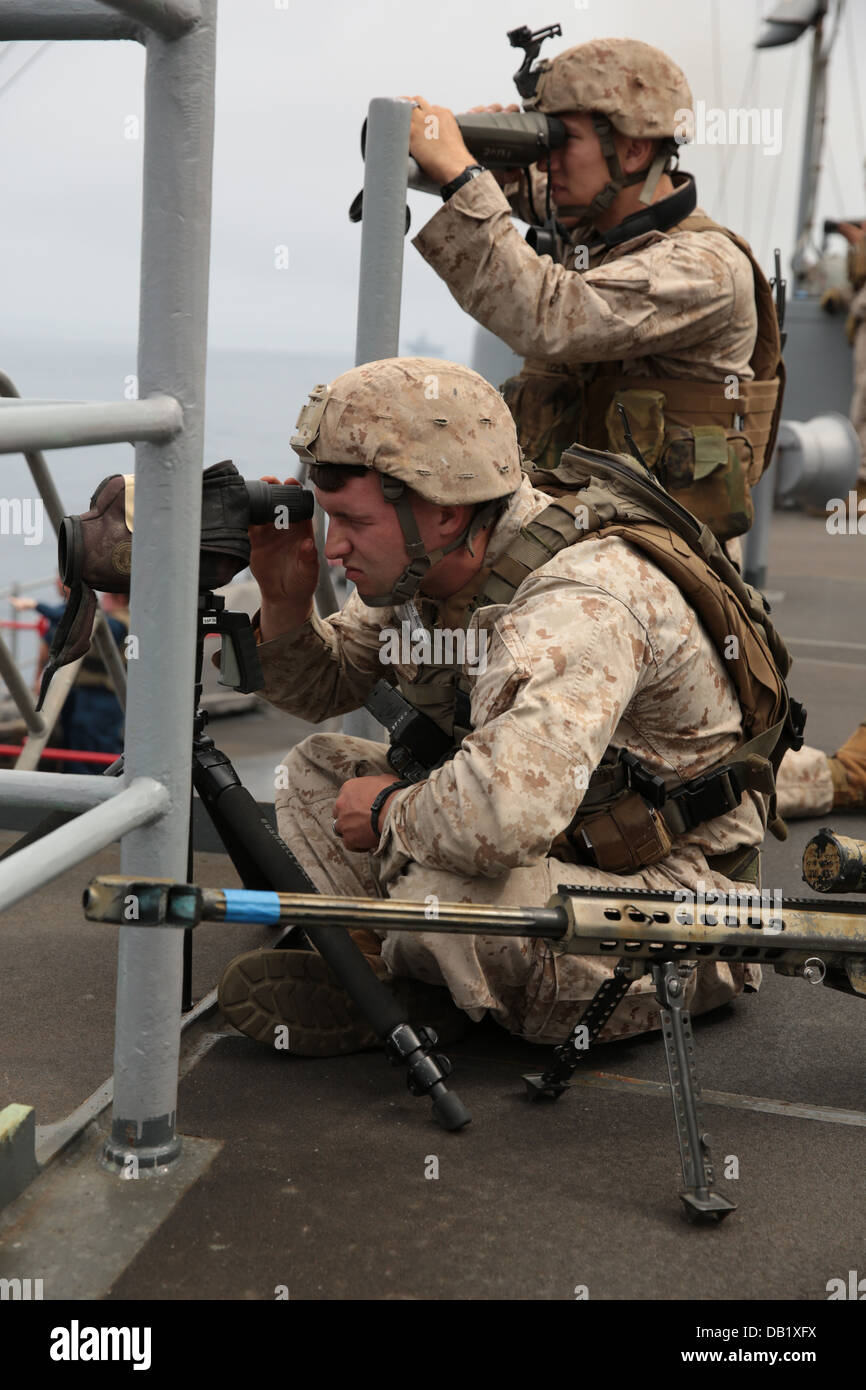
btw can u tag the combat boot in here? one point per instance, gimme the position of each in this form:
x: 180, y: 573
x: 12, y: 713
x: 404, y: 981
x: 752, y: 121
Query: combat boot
x: 848, y: 769
x: 264, y: 990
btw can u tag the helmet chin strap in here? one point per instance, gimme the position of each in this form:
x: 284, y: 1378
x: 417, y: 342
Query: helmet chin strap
x: 420, y: 560
x: 618, y: 180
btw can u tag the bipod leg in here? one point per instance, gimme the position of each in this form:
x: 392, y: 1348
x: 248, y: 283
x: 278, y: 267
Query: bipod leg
x: 265, y: 861
x: 702, y: 1203
x: 550, y: 1085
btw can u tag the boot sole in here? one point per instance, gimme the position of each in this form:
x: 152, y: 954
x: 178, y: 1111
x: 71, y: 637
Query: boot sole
x: 266, y: 990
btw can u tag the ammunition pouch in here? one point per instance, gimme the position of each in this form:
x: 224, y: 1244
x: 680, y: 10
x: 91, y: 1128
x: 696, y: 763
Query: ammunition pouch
x: 706, y: 449
x: 546, y: 402
x: 641, y: 816
x: 708, y: 470
x: 623, y: 839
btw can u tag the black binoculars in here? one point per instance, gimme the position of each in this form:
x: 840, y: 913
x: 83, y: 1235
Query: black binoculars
x: 96, y: 547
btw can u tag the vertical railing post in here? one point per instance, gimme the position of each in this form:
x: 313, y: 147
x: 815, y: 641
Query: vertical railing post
x: 175, y: 250
x: 383, y: 229
x: 380, y: 288
x: 756, y: 542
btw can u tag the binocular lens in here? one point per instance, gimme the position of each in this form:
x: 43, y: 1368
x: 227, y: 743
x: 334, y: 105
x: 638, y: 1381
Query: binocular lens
x: 68, y: 552
x: 265, y: 498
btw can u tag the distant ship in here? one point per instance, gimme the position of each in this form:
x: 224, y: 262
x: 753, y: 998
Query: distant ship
x: 423, y: 347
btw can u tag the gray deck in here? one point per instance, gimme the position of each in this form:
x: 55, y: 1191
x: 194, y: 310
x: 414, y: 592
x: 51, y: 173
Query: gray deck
x: 310, y: 1174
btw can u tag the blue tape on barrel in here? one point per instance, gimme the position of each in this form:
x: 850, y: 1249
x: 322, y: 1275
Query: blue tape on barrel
x: 245, y: 905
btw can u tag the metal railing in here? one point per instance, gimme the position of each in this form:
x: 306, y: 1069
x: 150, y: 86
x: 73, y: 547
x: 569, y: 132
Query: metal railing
x: 380, y: 287
x: 149, y: 808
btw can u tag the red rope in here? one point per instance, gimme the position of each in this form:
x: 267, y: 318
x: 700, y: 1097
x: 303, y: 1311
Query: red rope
x: 10, y: 622
x: 69, y: 755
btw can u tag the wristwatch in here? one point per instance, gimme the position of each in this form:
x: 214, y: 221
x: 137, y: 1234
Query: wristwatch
x: 380, y: 799
x: 471, y: 172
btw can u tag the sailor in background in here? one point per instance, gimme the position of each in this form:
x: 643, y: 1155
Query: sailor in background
x: 645, y: 302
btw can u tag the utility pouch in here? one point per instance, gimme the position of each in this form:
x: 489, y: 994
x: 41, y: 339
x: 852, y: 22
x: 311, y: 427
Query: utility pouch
x: 706, y: 468
x: 547, y: 408
x: 646, y: 420
x: 626, y: 837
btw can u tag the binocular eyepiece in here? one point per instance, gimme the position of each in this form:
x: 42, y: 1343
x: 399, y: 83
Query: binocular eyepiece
x: 269, y: 501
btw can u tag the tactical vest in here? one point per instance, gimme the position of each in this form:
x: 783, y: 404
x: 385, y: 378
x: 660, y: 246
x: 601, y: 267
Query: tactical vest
x: 627, y: 817
x: 707, y: 446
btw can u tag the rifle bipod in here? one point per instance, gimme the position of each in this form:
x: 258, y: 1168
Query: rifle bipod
x: 701, y: 1202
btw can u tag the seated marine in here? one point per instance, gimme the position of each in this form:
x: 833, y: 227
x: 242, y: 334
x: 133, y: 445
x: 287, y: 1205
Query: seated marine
x: 583, y: 650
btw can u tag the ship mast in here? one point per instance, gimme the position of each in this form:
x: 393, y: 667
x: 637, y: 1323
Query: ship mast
x: 787, y: 22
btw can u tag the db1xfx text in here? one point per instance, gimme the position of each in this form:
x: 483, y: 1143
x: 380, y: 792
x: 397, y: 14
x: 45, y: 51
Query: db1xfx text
x: 728, y: 1334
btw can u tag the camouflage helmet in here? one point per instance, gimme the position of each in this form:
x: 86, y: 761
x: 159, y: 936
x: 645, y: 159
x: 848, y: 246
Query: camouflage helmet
x: 437, y: 426
x: 627, y: 86
x: 639, y: 88
x: 433, y: 426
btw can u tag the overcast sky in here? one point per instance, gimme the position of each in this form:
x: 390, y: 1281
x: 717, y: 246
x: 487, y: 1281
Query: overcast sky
x: 292, y: 89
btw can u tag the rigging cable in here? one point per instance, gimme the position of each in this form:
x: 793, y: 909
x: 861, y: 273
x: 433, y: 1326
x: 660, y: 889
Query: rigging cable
x: 717, y: 53
x: 728, y: 155
x: 24, y: 66
x: 834, y: 179
x: 854, y: 80
x: 749, y: 180
x: 777, y: 172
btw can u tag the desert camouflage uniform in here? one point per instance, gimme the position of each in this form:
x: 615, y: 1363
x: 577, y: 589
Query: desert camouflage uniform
x: 596, y: 648
x: 669, y: 304
x: 804, y: 784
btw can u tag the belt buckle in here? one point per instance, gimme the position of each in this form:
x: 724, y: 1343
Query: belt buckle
x: 646, y: 784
